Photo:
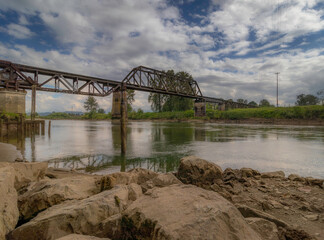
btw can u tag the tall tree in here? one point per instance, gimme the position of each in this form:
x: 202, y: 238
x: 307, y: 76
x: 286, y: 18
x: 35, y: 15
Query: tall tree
x: 308, y: 99
x: 264, y: 103
x: 241, y: 100
x: 130, y: 99
x: 101, y: 110
x: 252, y: 103
x: 91, y: 104
x: 320, y: 95
x: 162, y: 102
x: 156, y: 101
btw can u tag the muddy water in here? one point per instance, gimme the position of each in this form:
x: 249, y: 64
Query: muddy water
x: 95, y: 146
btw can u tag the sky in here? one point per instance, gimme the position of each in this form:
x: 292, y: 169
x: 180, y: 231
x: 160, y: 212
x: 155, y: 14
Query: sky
x: 232, y: 48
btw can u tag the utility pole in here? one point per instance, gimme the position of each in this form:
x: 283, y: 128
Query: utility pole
x: 277, y: 73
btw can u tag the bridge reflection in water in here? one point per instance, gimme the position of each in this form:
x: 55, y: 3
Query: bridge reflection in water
x: 94, y: 146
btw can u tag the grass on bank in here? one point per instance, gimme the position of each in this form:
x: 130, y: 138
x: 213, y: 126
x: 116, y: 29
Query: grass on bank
x: 6, y: 116
x: 297, y: 112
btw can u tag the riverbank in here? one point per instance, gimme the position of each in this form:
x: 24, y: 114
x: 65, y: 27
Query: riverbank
x: 304, y: 115
x: 262, y: 121
x: 199, y: 201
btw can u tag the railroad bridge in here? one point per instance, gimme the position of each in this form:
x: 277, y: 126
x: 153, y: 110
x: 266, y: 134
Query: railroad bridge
x: 16, y: 78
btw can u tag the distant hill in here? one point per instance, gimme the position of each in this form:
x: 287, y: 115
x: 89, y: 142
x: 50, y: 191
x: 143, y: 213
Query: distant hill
x: 68, y: 112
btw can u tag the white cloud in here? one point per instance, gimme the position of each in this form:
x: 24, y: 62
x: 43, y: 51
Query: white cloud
x: 19, y: 31
x: 23, y: 20
x: 100, y: 33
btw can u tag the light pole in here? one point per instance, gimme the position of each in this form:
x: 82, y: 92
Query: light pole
x: 277, y: 73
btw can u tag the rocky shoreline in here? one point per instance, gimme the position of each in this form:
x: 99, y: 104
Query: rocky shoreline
x: 199, y: 201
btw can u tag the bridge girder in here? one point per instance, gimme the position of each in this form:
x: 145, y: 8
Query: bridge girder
x: 18, y: 76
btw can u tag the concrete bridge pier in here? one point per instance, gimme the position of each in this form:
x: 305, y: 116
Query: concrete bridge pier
x: 116, y: 104
x: 200, y: 108
x: 119, y: 111
x: 12, y: 101
x: 222, y: 107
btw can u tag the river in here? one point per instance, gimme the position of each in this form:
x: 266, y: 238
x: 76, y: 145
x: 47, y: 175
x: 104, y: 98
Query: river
x: 95, y: 146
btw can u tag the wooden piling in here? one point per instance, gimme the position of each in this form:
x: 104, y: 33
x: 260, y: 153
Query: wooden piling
x: 22, y: 126
x: 49, y: 128
x: 123, y: 111
x: 43, y: 127
x: 33, y: 104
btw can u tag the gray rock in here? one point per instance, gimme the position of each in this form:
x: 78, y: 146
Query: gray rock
x: 314, y: 181
x: 183, y: 212
x: 161, y: 180
x: 266, y: 229
x: 199, y: 172
x: 248, y: 212
x: 8, y: 201
x: 26, y: 172
x: 276, y: 174
x: 76, y: 216
x: 137, y: 175
x: 295, y: 177
x: 47, y: 193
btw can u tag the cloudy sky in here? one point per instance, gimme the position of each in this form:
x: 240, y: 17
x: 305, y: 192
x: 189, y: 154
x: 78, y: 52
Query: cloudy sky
x: 231, y: 47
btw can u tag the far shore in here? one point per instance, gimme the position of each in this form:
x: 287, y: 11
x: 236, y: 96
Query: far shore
x: 250, y: 121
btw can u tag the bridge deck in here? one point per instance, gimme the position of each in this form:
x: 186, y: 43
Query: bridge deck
x: 18, y: 76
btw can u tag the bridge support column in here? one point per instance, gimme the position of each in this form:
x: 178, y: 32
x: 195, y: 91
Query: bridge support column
x: 222, y: 107
x: 116, y: 104
x: 123, y: 119
x: 12, y: 101
x: 33, y: 103
x: 200, y: 108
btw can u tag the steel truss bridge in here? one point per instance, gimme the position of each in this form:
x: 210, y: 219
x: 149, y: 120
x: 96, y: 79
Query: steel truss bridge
x: 22, y: 77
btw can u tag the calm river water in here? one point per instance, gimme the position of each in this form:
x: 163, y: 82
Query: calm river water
x: 95, y: 146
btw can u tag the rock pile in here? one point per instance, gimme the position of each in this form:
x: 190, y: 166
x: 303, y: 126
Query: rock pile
x: 200, y: 201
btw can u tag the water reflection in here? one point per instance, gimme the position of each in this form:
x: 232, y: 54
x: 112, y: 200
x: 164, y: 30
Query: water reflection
x: 94, y: 146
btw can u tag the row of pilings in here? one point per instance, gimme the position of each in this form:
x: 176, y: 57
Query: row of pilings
x: 22, y: 127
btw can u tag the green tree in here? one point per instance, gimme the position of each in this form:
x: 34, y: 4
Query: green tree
x: 165, y: 103
x: 130, y: 99
x: 320, y: 95
x: 264, y: 103
x: 91, y: 105
x: 101, y: 110
x: 252, y: 103
x: 156, y: 101
x: 240, y: 100
x: 309, y: 99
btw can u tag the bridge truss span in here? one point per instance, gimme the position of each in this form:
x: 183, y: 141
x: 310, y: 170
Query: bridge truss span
x: 152, y: 80
x: 22, y: 77
x: 17, y: 77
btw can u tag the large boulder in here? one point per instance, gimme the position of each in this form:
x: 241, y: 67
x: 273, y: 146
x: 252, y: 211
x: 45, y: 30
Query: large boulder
x: 46, y: 193
x: 26, y: 172
x: 276, y: 174
x: 55, y: 173
x: 249, y: 212
x: 199, y: 172
x: 77, y: 216
x: 183, y: 212
x: 161, y: 180
x: 136, y: 175
x: 266, y: 229
x: 8, y: 201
